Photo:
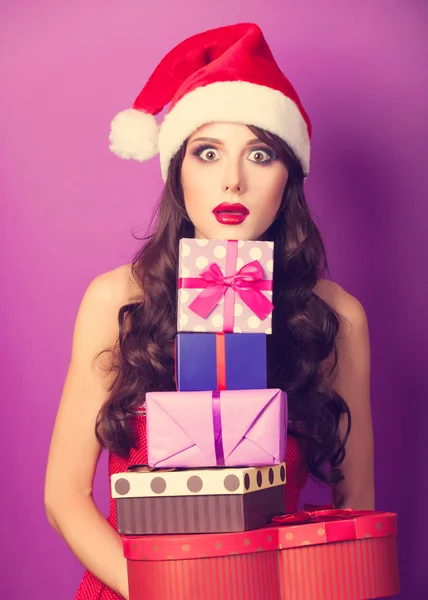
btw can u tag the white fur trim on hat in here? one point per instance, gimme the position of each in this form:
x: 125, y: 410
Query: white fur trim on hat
x: 234, y: 102
x: 134, y: 134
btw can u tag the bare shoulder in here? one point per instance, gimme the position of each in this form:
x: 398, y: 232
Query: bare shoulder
x: 116, y: 287
x: 97, y: 325
x: 349, y: 309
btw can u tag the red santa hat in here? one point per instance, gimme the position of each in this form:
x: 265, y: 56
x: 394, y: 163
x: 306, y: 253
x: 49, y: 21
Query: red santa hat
x: 226, y: 74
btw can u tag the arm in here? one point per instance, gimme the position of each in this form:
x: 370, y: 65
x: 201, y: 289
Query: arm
x: 74, y: 449
x: 352, y: 382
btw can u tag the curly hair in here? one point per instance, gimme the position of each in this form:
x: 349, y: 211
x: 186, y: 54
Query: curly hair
x: 304, y: 326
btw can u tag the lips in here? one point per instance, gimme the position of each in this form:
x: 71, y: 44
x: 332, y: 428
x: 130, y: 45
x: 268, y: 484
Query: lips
x: 230, y: 214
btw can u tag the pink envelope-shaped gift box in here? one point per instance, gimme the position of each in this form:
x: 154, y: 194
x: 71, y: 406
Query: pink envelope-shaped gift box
x: 212, y: 429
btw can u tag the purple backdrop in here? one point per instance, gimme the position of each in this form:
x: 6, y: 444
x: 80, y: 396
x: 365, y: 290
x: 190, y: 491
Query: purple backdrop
x: 68, y: 207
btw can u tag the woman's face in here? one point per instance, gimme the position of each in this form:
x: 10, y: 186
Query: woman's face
x: 232, y: 182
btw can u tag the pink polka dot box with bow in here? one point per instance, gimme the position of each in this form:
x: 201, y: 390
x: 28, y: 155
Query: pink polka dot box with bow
x: 225, y: 286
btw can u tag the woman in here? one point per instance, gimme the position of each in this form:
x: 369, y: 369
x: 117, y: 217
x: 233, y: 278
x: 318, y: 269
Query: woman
x: 235, y: 132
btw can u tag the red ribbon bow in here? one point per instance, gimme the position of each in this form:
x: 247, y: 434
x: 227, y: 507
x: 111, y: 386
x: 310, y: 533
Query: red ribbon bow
x: 315, y: 516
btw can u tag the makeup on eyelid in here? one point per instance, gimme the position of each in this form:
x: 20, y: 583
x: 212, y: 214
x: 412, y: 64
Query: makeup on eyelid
x: 270, y: 153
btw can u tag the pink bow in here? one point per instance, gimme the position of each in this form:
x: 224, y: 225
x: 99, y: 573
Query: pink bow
x: 248, y: 283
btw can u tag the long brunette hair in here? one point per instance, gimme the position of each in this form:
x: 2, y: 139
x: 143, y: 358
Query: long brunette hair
x: 304, y: 326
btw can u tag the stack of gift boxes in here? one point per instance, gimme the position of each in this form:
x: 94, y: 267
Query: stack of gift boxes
x: 216, y: 446
x: 213, y: 492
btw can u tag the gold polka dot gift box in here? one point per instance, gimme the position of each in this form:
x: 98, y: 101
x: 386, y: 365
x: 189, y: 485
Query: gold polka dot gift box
x: 325, y: 557
x: 225, y: 286
x: 197, y: 501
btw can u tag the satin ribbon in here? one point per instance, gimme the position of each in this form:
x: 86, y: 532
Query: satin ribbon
x: 220, y: 355
x: 218, y: 431
x: 248, y: 283
x: 337, y: 525
x: 316, y: 516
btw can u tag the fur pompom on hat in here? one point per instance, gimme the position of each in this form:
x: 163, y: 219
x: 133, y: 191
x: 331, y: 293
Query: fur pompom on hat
x: 226, y: 74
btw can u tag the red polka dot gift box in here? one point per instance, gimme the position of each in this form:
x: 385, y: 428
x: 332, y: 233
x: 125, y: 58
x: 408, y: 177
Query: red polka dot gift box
x: 197, y: 501
x: 225, y: 286
x: 227, y: 566
x: 338, y: 555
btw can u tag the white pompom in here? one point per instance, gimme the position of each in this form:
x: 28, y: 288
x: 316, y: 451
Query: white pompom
x: 134, y: 134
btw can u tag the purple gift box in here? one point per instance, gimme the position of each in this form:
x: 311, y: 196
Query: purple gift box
x: 231, y: 428
x: 225, y: 286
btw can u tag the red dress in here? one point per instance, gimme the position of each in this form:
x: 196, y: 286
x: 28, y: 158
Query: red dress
x: 91, y: 588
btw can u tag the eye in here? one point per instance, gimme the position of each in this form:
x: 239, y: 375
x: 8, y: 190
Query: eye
x: 207, y: 153
x: 262, y: 155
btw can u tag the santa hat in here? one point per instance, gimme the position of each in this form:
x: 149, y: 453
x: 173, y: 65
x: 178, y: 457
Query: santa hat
x: 226, y: 74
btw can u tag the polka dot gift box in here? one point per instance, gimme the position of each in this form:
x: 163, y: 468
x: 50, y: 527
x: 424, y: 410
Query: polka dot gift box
x: 338, y: 555
x: 225, y: 286
x: 225, y: 566
x: 347, y: 557
x: 197, y: 501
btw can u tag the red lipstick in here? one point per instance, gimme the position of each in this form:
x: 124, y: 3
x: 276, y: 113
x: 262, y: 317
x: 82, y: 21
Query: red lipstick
x: 230, y: 214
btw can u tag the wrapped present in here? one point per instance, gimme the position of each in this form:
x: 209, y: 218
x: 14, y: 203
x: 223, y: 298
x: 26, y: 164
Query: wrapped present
x: 343, y: 554
x: 220, y: 361
x: 231, y: 428
x: 320, y: 557
x: 230, y: 566
x: 199, y: 500
x: 225, y: 286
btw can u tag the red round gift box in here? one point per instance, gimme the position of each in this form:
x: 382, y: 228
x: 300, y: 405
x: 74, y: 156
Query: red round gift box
x: 229, y: 566
x: 331, y: 559
x: 348, y: 557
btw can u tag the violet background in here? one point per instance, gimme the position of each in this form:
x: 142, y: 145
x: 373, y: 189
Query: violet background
x: 68, y: 208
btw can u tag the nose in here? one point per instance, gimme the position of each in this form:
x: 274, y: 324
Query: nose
x: 233, y: 188
x: 233, y: 178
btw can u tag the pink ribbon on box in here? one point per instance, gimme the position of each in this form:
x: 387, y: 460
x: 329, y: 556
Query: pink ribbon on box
x: 248, y: 283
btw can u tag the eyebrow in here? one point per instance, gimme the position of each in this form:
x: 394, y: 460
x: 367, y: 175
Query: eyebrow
x: 251, y: 142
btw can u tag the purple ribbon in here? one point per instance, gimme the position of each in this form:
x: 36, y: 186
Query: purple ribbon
x: 218, y: 434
